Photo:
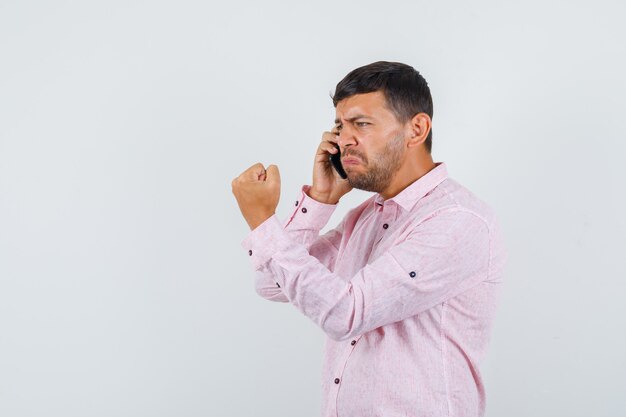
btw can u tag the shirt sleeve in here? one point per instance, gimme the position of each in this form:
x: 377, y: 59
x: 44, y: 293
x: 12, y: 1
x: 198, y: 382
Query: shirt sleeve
x: 441, y: 257
x: 303, y: 226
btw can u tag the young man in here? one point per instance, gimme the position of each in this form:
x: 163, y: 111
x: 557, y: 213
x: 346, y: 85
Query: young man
x: 405, y: 286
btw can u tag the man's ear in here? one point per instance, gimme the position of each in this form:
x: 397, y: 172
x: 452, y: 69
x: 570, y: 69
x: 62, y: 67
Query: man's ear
x: 419, y: 126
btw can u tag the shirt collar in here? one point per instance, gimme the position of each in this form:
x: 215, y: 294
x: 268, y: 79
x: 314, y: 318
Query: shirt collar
x: 418, y: 188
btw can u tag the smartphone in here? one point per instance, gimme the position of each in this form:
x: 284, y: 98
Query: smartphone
x: 335, y: 159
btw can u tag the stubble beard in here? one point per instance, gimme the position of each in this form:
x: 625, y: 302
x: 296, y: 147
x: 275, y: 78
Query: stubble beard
x: 382, y: 168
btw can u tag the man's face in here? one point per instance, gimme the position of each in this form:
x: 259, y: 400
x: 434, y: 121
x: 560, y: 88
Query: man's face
x: 370, y: 133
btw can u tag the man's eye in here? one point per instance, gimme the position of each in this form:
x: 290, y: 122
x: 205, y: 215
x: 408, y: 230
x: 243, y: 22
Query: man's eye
x: 362, y: 124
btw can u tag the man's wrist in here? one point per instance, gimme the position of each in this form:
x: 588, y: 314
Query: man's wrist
x: 320, y: 198
x: 256, y: 221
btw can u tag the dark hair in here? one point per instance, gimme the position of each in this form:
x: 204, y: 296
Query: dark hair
x: 405, y: 90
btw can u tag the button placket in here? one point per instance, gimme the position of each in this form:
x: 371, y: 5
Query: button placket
x: 347, y: 352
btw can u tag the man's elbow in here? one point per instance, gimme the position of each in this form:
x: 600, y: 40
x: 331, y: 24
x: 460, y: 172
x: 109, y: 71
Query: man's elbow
x: 339, y: 336
x: 340, y: 331
x: 271, y: 293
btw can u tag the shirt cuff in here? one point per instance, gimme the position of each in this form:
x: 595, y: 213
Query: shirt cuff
x: 270, y: 236
x: 310, y: 214
x: 267, y: 239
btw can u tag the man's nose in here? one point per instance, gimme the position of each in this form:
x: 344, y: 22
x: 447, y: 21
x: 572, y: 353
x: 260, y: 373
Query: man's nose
x: 346, y: 138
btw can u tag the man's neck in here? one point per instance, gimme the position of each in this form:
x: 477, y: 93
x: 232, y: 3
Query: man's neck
x: 407, y: 175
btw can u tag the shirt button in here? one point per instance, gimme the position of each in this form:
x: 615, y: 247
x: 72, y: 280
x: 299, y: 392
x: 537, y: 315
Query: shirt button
x: 250, y: 252
x: 353, y: 342
x: 278, y: 285
x: 296, y: 204
x: 412, y: 274
x: 304, y: 209
x: 336, y: 380
x: 385, y: 226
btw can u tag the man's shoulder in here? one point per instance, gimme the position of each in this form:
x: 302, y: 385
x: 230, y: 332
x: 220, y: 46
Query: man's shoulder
x: 452, y: 196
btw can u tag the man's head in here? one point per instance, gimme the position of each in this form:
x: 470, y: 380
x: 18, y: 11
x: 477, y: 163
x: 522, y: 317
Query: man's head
x: 384, y: 115
x: 406, y: 91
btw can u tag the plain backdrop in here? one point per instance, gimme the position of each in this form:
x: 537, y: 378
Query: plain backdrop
x: 124, y: 290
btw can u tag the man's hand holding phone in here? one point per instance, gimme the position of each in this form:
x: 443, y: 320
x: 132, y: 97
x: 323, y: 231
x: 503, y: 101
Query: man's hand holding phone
x: 328, y: 186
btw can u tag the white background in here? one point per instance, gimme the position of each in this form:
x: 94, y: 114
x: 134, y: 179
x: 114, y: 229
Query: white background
x: 124, y: 290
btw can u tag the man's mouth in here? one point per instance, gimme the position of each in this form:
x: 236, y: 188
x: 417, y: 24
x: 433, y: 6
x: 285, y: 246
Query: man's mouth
x: 350, y: 161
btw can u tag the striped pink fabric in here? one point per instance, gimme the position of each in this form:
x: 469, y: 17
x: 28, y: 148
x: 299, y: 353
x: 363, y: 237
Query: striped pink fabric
x: 404, y: 288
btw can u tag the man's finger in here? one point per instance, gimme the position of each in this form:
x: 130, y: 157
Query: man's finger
x: 330, y: 137
x: 254, y: 173
x: 272, y: 174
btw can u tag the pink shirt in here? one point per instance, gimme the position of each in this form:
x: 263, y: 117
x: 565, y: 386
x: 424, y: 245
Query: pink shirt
x: 404, y: 288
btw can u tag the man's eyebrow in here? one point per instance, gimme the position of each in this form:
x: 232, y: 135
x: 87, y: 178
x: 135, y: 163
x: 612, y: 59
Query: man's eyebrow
x: 352, y: 119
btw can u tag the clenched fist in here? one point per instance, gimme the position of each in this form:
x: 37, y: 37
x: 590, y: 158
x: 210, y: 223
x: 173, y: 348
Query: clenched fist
x: 257, y: 191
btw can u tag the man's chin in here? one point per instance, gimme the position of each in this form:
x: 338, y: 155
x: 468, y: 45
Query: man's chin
x: 359, y: 185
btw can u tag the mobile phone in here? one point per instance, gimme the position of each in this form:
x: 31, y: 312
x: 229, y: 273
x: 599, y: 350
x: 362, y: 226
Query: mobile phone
x: 335, y: 159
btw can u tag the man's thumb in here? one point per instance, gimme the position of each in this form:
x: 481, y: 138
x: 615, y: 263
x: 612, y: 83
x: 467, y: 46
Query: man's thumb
x: 272, y: 174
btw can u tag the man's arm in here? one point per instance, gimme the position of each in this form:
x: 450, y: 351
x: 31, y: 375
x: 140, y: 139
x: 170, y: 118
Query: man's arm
x: 303, y: 227
x: 257, y: 191
x: 441, y: 258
